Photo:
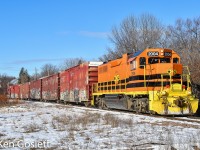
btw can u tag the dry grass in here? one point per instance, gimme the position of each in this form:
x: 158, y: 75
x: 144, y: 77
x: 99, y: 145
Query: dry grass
x: 33, y: 127
x: 71, y: 136
x: 3, y: 98
x: 45, y: 121
x: 4, y: 101
x: 2, y: 134
x: 60, y: 122
x: 87, y: 119
x: 177, y: 124
x: 64, y: 119
x: 114, y: 121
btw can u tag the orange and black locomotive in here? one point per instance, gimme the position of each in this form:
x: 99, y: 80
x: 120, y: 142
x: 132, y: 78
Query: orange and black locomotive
x: 148, y: 81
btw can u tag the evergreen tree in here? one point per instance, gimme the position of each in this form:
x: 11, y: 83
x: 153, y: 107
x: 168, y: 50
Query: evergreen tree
x: 23, y: 76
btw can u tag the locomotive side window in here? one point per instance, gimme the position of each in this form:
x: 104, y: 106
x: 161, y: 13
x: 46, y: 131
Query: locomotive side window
x: 133, y: 65
x: 142, y: 62
x: 175, y: 60
x: 164, y: 60
x: 153, y: 60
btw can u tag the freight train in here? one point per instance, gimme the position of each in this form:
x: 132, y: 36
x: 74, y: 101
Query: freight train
x: 148, y: 81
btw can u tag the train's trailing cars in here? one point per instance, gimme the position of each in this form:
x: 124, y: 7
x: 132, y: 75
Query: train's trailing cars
x: 76, y: 82
x: 149, y: 81
x: 71, y: 85
x: 50, y: 87
x: 25, y: 90
x: 14, y: 91
x: 36, y: 89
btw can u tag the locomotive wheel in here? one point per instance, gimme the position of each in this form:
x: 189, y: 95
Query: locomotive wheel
x: 66, y: 102
x: 87, y: 104
x: 128, y: 103
x: 141, y: 105
x: 137, y: 106
x: 152, y: 112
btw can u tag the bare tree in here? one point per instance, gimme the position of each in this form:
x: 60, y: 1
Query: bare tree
x: 4, y: 80
x: 185, y: 39
x: 48, y: 69
x: 151, y: 31
x: 135, y: 33
x: 71, y: 62
x: 36, y: 75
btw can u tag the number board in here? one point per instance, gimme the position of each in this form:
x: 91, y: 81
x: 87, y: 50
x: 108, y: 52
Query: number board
x: 168, y: 54
x: 153, y: 53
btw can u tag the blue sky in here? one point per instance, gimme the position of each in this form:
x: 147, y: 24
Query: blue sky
x: 36, y: 32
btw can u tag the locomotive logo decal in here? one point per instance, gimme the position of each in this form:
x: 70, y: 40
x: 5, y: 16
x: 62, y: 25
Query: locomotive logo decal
x: 116, y: 78
x: 170, y: 71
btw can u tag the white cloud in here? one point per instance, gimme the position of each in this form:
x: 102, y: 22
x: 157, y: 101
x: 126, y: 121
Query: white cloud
x: 85, y: 33
x: 94, y: 34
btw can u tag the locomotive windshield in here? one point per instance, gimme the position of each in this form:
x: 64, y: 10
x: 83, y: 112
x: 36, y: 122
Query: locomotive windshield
x: 158, y: 60
x: 153, y: 60
x: 164, y: 60
x: 175, y: 60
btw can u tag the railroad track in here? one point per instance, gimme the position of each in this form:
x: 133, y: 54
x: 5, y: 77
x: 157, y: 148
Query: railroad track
x: 189, y: 119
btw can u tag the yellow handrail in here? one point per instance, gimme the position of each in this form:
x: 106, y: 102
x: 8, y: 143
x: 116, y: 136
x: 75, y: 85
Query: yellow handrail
x: 145, y: 85
x: 187, y: 75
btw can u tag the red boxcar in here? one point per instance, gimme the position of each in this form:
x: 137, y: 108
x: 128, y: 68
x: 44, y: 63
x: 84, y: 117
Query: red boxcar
x: 35, y: 89
x: 25, y: 90
x: 50, y: 87
x: 9, y: 89
x: 76, y: 83
x: 14, y: 91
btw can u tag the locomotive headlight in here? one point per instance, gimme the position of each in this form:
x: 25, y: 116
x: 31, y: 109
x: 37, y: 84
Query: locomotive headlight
x: 163, y: 93
x: 189, y: 93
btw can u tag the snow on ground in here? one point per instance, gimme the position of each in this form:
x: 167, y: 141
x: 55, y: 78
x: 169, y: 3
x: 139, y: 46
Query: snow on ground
x: 32, y: 125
